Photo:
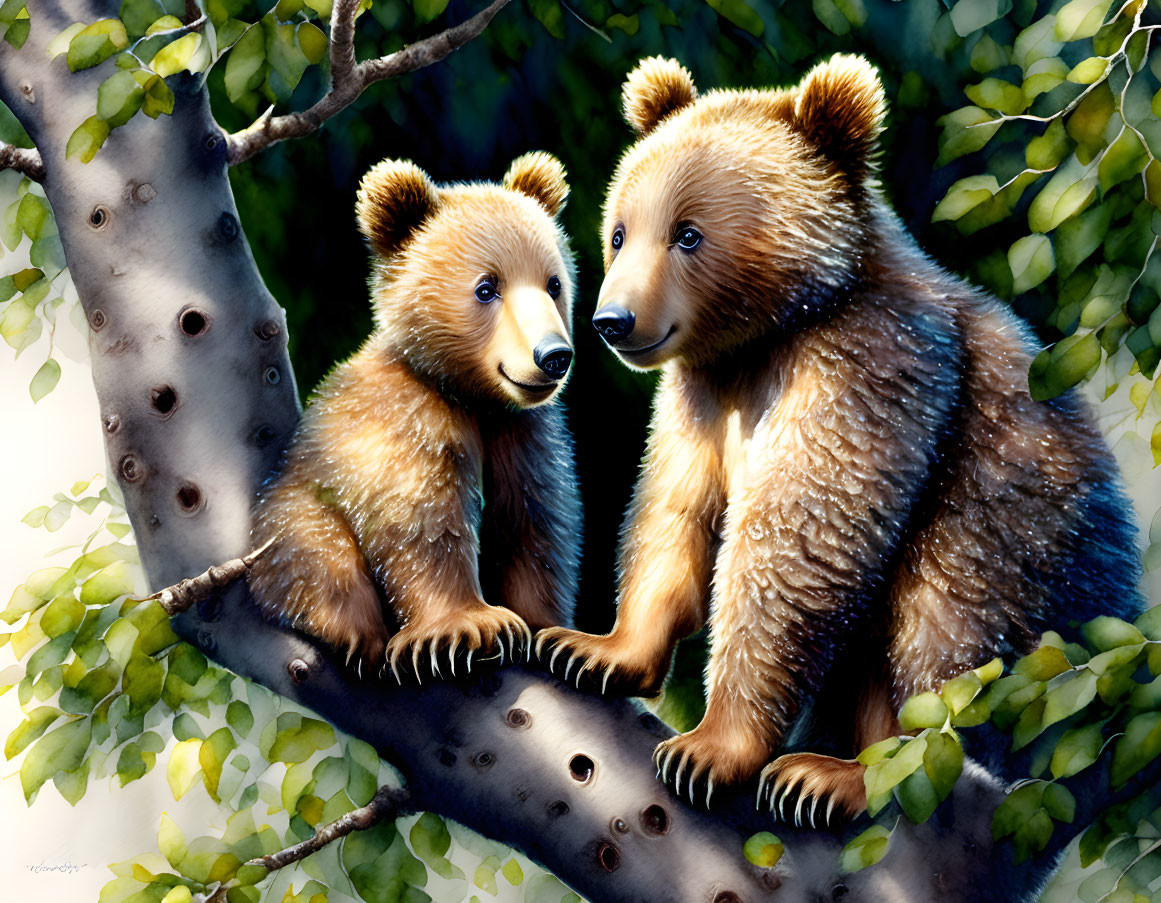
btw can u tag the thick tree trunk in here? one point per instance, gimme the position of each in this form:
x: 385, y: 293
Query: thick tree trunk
x: 197, y: 397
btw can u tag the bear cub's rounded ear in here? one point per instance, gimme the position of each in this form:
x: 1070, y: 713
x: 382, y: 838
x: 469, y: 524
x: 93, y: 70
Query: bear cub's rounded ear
x: 541, y: 177
x: 394, y: 198
x: 840, y: 108
x: 653, y: 90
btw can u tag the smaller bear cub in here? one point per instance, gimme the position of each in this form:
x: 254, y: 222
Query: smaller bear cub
x: 381, y: 498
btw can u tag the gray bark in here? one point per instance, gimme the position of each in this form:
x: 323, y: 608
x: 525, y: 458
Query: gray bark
x: 193, y: 423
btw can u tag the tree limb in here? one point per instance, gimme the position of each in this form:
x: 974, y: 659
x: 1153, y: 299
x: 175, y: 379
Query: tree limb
x: 22, y: 159
x: 349, y: 79
x: 387, y: 803
x: 177, y: 598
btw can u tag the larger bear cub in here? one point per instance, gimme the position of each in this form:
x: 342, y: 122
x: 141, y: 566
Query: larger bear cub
x: 377, y: 517
x: 845, y: 472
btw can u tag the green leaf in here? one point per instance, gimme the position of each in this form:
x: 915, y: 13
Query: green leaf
x: 246, y: 64
x: 1149, y: 623
x: 877, y: 752
x: 1043, y: 76
x: 741, y: 14
x: 964, y: 131
x: 989, y: 672
x: 924, y: 710
x: 628, y: 24
x: 188, y: 52
x: 171, y: 841
x: 430, y: 841
x: 298, y: 738
x: 763, y: 849
x: 1136, y: 748
x: 63, y: 615
x: 183, y: 768
x: 959, y: 692
x: 84, y: 143
x: 1021, y: 816
x: 997, y: 94
x: 1071, y: 696
x: 240, y: 718
x: 29, y: 730
x: 968, y: 16
x: 866, y: 849
x: 548, y: 13
x: 1076, y: 750
x: 45, y: 380
x: 142, y: 682
x: 1105, y: 633
x: 1032, y: 261
x: 1059, y: 803
x: 965, y: 195
x: 1124, y: 159
x: 427, y: 10
x: 60, y: 43
x: 1081, y: 19
x: 118, y: 98
x: 95, y: 43
x: 1078, y: 237
x: 1088, y: 71
x: 881, y: 779
x: 165, y: 23
x: 917, y: 796
x: 943, y: 762
x: 62, y: 750
x: 1057, y: 369
x: 313, y: 42
x: 212, y: 756
x: 1036, y: 42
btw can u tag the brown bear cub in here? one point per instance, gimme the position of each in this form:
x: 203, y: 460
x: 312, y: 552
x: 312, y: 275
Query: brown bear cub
x: 436, y: 434
x: 845, y: 472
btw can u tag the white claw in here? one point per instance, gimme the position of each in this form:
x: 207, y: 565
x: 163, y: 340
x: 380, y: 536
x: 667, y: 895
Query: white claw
x: 605, y: 680
x: 511, y: 641
x: 451, y: 654
x: 692, y: 777
x: 662, y: 762
x: 528, y: 640
x: 568, y: 666
x: 583, y: 669
x: 471, y: 652
x: 552, y: 660
x: 709, y: 794
x: 501, y: 645
x: 540, y: 645
x: 814, y: 812
x: 680, y: 770
x: 758, y: 798
x: 830, y: 807
x: 395, y: 671
x: 359, y: 668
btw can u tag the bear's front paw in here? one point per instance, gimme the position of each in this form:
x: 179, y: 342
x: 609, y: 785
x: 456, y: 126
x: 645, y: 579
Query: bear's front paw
x: 696, y: 763
x: 596, y: 662
x: 813, y: 780
x: 479, y: 633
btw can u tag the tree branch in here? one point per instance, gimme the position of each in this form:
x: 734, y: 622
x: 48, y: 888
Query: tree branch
x: 349, y: 79
x: 387, y: 803
x: 23, y: 160
x: 177, y: 598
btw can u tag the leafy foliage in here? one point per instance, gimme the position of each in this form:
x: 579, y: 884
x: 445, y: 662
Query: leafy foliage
x: 1068, y: 118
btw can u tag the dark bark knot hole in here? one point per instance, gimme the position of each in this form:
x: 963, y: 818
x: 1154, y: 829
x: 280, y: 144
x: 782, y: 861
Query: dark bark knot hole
x: 263, y: 435
x: 131, y: 469
x: 655, y: 820
x: 211, y: 141
x: 581, y: 768
x: 518, y: 718
x: 619, y: 826
x: 298, y: 670
x: 608, y: 856
x: 206, y: 640
x: 228, y: 226
x: 97, y: 320
x: 484, y: 760
x: 164, y: 400
x: 100, y: 217
x: 194, y: 322
x: 839, y: 891
x: 446, y: 757
x: 557, y: 809
x: 189, y: 498
x: 266, y: 330
x: 727, y: 896
x: 26, y: 90
x: 272, y: 376
x: 112, y: 423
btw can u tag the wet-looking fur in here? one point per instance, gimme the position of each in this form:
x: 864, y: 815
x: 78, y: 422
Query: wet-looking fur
x: 845, y: 473
x: 379, y: 509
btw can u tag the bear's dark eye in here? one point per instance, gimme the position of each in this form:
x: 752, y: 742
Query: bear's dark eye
x: 688, y: 238
x: 618, y: 239
x: 553, y: 287
x: 486, y: 290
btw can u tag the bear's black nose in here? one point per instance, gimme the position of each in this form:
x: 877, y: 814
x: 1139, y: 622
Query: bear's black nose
x: 614, y: 322
x: 553, y: 354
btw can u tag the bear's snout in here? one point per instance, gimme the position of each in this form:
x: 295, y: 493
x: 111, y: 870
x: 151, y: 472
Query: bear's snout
x: 614, y: 322
x: 553, y: 355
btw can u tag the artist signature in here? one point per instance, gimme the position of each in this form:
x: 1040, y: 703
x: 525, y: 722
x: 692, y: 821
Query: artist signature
x: 68, y: 867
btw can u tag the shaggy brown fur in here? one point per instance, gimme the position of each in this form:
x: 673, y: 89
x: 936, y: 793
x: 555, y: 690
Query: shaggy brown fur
x: 381, y: 498
x: 845, y: 472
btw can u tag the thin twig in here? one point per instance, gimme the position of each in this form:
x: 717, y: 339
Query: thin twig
x: 349, y: 79
x: 24, y: 160
x: 180, y: 596
x: 387, y: 803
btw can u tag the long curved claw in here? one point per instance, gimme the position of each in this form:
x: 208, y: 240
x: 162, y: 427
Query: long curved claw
x: 680, y: 770
x: 511, y: 643
x: 415, y: 664
x: 709, y: 794
x: 605, y: 680
x: 540, y: 641
x: 583, y: 668
x: 434, y: 657
x: 814, y: 811
x: 557, y: 650
x: 471, y: 652
x: 451, y: 653
x: 393, y: 661
x: 568, y: 666
x: 830, y: 807
x: 798, y: 809
x: 527, y: 643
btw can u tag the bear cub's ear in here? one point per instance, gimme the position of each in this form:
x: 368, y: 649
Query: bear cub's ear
x: 541, y: 177
x: 653, y: 90
x: 394, y: 198
x: 840, y: 107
